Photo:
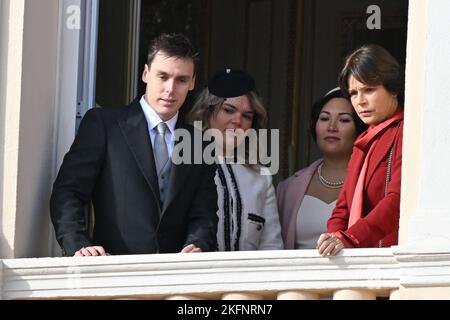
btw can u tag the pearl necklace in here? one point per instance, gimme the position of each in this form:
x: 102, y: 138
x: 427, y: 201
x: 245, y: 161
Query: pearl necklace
x: 325, y: 182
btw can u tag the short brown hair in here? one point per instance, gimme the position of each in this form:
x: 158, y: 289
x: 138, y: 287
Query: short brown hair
x: 374, y: 65
x: 173, y: 45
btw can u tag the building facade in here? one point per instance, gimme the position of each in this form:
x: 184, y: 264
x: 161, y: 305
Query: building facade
x: 47, y: 59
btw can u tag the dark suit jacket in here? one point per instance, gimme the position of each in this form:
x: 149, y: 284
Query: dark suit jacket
x: 111, y: 163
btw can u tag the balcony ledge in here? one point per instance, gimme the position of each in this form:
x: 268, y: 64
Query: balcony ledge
x: 211, y: 275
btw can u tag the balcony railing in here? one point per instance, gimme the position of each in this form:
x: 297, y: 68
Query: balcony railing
x: 287, y: 274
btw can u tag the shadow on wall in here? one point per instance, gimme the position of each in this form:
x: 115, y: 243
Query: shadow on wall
x: 5, y: 249
x: 4, y: 7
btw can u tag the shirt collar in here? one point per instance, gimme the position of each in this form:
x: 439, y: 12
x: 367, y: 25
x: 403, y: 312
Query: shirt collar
x: 153, y: 119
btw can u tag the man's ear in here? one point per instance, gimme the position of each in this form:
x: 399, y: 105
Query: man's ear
x: 192, y: 86
x: 145, y: 73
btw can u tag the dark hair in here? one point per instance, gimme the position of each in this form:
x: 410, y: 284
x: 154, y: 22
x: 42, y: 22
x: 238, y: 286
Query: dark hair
x: 360, y: 126
x: 373, y: 65
x: 173, y: 45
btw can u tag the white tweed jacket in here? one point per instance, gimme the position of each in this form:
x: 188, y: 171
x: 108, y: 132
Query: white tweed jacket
x: 248, y: 214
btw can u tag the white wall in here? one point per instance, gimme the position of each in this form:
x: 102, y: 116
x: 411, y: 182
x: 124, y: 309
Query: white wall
x: 431, y: 222
x: 11, y: 31
x: 28, y: 56
x: 36, y: 128
x: 414, y: 101
x: 4, y: 8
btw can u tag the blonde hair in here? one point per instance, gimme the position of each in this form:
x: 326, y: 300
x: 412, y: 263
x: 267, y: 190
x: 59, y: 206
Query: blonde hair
x: 207, y: 105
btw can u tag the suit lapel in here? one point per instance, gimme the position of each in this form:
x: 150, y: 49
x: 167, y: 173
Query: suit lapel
x: 135, y: 130
x: 178, y: 172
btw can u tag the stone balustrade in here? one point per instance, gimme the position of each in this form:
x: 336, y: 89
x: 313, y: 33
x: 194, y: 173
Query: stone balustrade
x: 251, y: 275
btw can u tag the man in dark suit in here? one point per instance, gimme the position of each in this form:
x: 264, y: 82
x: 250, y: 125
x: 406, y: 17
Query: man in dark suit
x: 120, y: 161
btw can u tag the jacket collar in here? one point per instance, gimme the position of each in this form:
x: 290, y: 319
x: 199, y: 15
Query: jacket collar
x: 373, y: 133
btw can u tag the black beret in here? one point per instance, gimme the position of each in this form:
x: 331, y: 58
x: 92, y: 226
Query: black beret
x: 230, y: 83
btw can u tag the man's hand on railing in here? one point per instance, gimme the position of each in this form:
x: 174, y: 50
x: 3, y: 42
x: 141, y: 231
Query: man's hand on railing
x: 191, y: 248
x: 91, y: 252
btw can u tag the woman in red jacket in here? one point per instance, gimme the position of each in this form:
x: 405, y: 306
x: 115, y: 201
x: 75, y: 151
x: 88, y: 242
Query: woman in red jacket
x: 368, y: 208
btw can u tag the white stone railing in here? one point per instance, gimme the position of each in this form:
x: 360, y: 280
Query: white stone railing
x: 287, y: 274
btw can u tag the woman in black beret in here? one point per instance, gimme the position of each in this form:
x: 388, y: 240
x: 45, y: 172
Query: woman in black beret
x: 248, y: 214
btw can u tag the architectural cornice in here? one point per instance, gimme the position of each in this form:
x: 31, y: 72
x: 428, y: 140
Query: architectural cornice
x: 208, y: 275
x: 424, y: 265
